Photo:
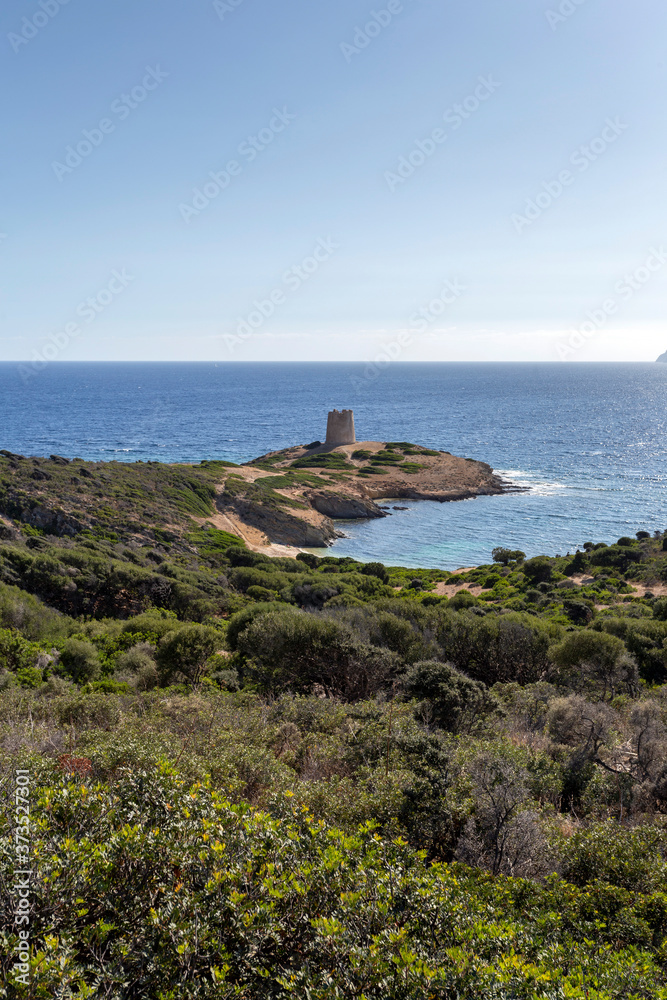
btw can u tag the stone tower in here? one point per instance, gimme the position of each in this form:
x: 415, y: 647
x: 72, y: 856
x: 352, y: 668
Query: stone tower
x: 340, y: 428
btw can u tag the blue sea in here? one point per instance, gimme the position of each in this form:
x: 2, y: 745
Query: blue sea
x: 590, y: 440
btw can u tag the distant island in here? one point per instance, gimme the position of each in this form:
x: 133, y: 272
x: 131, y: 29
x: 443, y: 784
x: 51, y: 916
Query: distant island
x: 663, y: 357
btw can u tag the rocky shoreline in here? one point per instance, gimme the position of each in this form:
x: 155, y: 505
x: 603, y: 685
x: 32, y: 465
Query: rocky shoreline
x: 294, y: 497
x: 276, y: 504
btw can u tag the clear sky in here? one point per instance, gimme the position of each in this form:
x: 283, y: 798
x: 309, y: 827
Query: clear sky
x: 420, y: 179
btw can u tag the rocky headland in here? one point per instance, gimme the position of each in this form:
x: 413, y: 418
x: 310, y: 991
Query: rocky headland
x: 289, y: 498
x: 292, y: 497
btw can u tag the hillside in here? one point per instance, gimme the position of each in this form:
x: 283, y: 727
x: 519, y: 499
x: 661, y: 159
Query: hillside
x: 307, y: 777
x: 289, y: 497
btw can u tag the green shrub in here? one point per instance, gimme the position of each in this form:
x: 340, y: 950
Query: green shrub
x: 215, y: 899
x: 29, y: 677
x: 152, y: 625
x: 511, y: 647
x: 309, y: 558
x: 24, y: 612
x: 136, y: 658
x: 376, y: 569
x: 594, y: 659
x: 634, y: 859
x: 260, y: 593
x: 85, y: 711
x: 448, y: 698
x: 183, y: 655
x: 242, y: 619
x: 538, y: 570
x: 463, y: 599
x: 80, y: 660
x: 291, y: 650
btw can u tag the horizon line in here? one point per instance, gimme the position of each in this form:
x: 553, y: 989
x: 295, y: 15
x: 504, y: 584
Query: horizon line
x: 338, y: 361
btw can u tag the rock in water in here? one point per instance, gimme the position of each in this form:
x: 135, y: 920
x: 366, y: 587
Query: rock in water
x: 346, y: 508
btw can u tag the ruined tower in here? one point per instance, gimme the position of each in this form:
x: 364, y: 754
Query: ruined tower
x: 340, y: 428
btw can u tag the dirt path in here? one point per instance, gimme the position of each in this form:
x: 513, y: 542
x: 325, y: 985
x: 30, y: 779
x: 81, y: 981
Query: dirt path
x: 254, y: 539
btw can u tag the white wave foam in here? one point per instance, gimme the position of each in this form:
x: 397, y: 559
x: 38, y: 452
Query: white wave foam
x: 533, y: 481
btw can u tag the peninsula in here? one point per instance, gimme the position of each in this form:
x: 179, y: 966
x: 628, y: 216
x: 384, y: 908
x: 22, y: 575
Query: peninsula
x: 292, y: 497
x: 284, y: 498
x: 318, y: 484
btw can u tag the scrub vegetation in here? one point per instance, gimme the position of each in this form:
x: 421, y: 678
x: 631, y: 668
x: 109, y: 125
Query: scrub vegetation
x: 318, y: 778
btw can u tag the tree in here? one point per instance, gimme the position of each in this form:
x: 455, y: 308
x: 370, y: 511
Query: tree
x: 80, y: 660
x: 577, y: 565
x: 538, y: 570
x: 239, y: 622
x: 645, y: 640
x: 583, y: 726
x: 511, y: 647
x: 618, y: 556
x: 286, y: 649
x: 503, y: 836
x: 309, y: 558
x: 453, y: 701
x: 660, y: 609
x: 376, y: 569
x: 649, y: 740
x: 507, y: 556
x: 383, y: 628
x: 184, y: 654
x: 579, y: 612
x: 597, y: 661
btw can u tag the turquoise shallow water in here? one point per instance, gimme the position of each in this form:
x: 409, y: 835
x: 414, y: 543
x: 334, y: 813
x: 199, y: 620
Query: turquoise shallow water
x: 590, y: 439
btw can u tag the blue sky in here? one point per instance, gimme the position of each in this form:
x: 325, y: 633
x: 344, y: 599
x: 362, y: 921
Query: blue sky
x: 370, y: 158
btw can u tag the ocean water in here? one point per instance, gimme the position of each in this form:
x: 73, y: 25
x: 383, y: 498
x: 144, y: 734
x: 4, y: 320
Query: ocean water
x: 589, y: 439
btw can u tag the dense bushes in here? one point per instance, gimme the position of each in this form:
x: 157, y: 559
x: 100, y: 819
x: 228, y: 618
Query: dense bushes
x: 448, y: 698
x: 154, y: 886
x: 158, y: 887
x: 518, y: 728
x: 291, y: 650
x: 80, y: 660
x: 492, y: 649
